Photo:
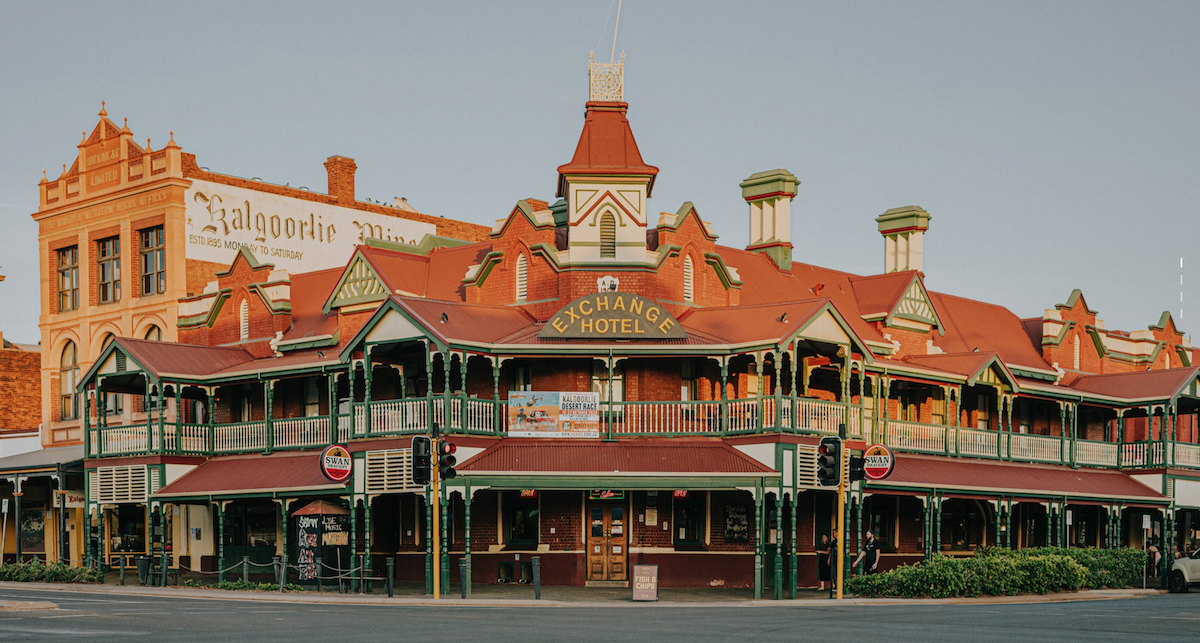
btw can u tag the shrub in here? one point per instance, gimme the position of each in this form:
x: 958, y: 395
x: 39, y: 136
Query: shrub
x: 35, y: 571
x: 240, y: 585
x: 1003, y: 572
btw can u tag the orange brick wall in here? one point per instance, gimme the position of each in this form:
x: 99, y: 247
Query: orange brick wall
x: 21, y: 389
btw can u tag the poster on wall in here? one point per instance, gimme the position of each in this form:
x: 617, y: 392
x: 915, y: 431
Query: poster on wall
x: 737, y: 527
x: 553, y: 414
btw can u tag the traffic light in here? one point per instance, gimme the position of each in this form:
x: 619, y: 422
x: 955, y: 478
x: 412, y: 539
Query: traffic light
x: 829, y: 462
x: 856, y: 468
x: 446, y: 460
x: 422, y: 451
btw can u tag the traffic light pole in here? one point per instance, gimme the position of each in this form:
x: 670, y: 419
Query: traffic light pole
x: 841, y: 542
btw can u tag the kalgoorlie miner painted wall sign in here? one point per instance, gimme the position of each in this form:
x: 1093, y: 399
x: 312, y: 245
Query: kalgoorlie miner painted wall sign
x: 613, y: 315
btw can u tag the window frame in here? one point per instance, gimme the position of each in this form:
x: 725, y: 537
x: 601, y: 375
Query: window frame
x: 513, y: 502
x: 108, y: 260
x: 67, y: 267
x: 156, y: 253
x: 697, y: 502
x: 68, y: 402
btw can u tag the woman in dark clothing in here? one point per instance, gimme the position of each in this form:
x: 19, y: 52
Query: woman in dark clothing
x: 823, y: 562
x: 833, y: 561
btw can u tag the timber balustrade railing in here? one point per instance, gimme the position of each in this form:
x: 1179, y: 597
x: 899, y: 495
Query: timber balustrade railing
x: 618, y: 419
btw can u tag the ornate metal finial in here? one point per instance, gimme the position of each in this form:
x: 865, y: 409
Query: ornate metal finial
x: 148, y: 144
x: 171, y: 143
x: 64, y: 172
x: 606, y: 80
x: 102, y: 112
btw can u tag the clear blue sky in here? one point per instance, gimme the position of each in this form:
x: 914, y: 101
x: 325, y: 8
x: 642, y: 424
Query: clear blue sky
x: 1056, y: 144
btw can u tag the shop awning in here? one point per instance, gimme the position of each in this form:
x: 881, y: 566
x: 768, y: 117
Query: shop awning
x: 919, y: 474
x: 42, y: 461
x: 252, y: 475
x: 625, y: 464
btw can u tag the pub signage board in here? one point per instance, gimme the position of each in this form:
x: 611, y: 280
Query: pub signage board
x: 613, y: 315
x: 336, y: 463
x: 878, y: 462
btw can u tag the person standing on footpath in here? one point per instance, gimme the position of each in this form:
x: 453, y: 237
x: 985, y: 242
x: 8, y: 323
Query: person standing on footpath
x: 870, y: 551
x: 833, y: 561
x: 823, y: 562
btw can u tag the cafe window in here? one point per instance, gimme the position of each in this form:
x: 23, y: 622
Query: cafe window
x: 128, y: 533
x: 68, y: 278
x: 520, y: 520
x: 108, y: 273
x: 251, y: 525
x: 68, y: 376
x: 689, y: 519
x: 154, y: 268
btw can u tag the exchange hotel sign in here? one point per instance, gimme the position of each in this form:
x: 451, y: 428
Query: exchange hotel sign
x: 608, y: 315
x: 294, y: 234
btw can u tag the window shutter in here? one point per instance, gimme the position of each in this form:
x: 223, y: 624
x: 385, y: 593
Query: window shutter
x: 608, y: 235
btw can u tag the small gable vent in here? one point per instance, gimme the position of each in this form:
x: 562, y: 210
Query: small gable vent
x: 608, y: 236
x: 122, y: 362
x: 522, y: 277
x: 688, y: 280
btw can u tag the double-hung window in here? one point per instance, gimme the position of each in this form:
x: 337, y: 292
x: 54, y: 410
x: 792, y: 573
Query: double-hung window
x: 154, y: 269
x: 68, y: 278
x: 108, y: 270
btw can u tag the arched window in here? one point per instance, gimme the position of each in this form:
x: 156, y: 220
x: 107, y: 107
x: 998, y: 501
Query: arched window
x: 154, y: 334
x: 522, y: 277
x: 244, y: 320
x: 1077, y: 352
x: 608, y: 235
x: 689, y: 292
x: 68, y: 376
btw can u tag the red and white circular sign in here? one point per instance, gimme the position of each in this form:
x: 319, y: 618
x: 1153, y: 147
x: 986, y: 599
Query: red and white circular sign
x: 878, y: 462
x: 336, y: 463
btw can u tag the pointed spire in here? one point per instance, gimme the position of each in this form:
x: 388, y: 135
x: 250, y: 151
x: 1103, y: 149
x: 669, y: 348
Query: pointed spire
x: 125, y: 128
x: 83, y: 140
x: 64, y: 172
x: 172, y: 142
x: 148, y: 150
x: 102, y: 113
x: 43, y: 181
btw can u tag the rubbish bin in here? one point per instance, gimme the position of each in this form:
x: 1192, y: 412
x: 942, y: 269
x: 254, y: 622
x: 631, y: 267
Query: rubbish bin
x: 143, y: 569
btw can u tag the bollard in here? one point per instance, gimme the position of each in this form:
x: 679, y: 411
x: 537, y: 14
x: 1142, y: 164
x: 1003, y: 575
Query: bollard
x: 462, y: 581
x: 391, y: 567
x: 537, y: 578
x: 275, y: 567
x: 122, y: 577
x: 283, y: 573
x: 320, y: 568
x: 246, y: 569
x: 362, y: 575
x: 166, y: 564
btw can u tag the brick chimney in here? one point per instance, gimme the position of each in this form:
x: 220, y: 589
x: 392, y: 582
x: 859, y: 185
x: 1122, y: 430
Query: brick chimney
x: 903, y: 231
x: 341, y: 178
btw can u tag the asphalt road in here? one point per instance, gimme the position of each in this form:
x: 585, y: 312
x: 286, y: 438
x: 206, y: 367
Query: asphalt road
x: 121, y: 618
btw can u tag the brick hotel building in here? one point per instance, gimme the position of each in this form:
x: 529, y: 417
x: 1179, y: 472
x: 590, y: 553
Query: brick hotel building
x: 713, y: 372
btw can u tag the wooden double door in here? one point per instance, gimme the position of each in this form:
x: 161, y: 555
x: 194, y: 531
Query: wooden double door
x: 607, y: 541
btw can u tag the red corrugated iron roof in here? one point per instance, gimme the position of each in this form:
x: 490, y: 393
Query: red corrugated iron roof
x: 881, y: 293
x: 741, y: 324
x: 309, y: 291
x: 1161, y: 384
x: 971, y: 324
x: 606, y: 146
x: 230, y: 475
x: 398, y: 270
x: 967, y: 365
x: 929, y: 472
x: 467, y: 322
x: 688, y: 456
x: 181, y: 359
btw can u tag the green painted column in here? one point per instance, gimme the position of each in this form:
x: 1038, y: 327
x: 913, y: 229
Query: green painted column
x: 793, y: 401
x: 369, y: 375
x: 724, y: 396
x: 858, y: 523
x: 268, y: 400
x: 759, y: 524
x: 762, y: 421
x: 428, y: 541
x: 162, y: 417
x: 178, y: 418
x: 937, y: 524
x: 447, y: 417
x: 353, y: 541
x: 793, y: 568
x: 220, y: 541
x: 463, y: 416
x: 283, y: 524
x: 429, y: 402
x: 608, y: 417
x: 777, y: 576
x: 1173, y: 414
x: 331, y: 390
x: 467, y: 537
x: 149, y: 422
x: 926, y: 516
x: 497, y: 418
x: 445, y: 539
x: 212, y: 427
x: 778, y: 394
x: 367, y: 511
x: 87, y: 429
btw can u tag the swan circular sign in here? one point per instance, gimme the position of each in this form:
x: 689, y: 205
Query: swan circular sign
x: 878, y: 462
x: 336, y: 463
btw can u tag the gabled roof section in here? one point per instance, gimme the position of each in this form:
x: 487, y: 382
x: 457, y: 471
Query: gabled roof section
x: 879, y: 294
x: 972, y: 324
x: 1165, y: 320
x: 169, y: 358
x: 975, y: 368
x: 538, y: 219
x: 686, y: 210
x: 1141, y: 385
x: 360, y: 283
x: 439, y: 321
x: 606, y: 146
x: 244, y: 255
x: 1076, y: 296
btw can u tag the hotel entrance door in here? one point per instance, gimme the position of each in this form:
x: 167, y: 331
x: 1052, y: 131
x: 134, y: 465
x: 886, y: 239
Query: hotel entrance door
x: 607, y: 550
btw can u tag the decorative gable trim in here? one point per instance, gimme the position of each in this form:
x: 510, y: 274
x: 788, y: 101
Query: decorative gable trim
x: 245, y: 255
x: 478, y: 274
x: 728, y: 275
x: 522, y: 208
x: 685, y: 210
x: 915, y: 306
x: 1076, y: 295
x: 359, y: 284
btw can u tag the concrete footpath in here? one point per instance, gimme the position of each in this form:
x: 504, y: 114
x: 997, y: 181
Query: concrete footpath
x: 522, y: 596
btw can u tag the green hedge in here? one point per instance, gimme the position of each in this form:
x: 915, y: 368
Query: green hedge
x: 36, y: 571
x: 1005, y: 572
